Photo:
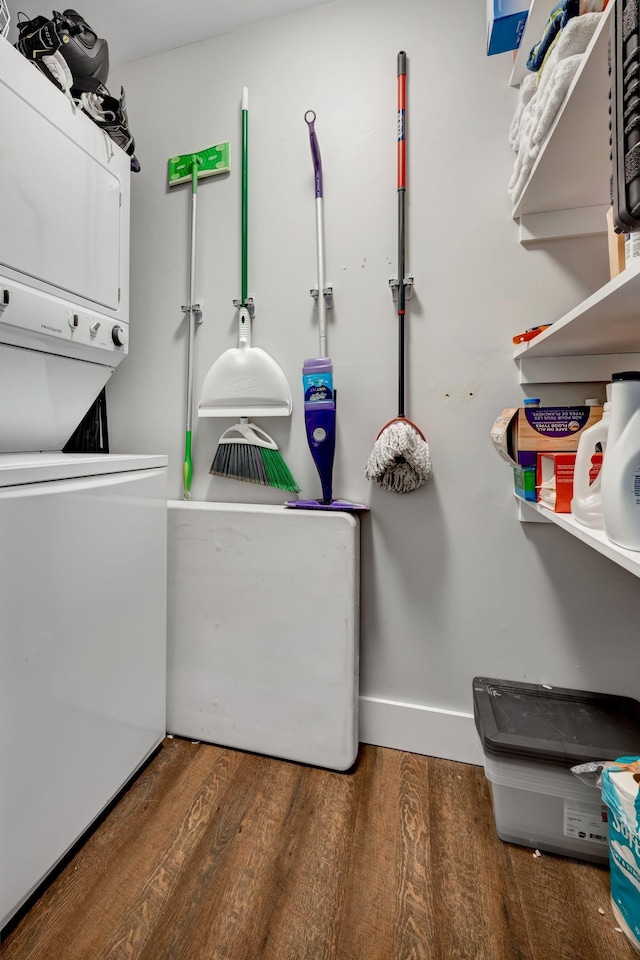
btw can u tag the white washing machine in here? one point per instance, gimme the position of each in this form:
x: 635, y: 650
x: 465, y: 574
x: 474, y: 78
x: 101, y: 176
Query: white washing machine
x: 82, y: 537
x: 82, y: 647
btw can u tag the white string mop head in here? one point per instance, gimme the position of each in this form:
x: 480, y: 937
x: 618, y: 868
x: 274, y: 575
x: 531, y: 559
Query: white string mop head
x: 400, y: 460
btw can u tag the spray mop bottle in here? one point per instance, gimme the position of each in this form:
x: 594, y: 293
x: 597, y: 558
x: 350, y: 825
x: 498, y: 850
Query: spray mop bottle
x: 320, y: 418
x: 317, y: 374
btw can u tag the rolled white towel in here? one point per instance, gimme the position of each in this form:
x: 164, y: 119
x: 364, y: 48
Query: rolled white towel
x: 574, y: 38
x: 573, y: 41
x: 524, y: 142
x: 524, y: 171
x: 528, y: 89
x: 545, y: 77
x: 577, y: 34
x: 555, y: 93
x: 524, y: 159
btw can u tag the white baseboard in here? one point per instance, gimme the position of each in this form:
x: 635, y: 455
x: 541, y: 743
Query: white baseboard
x: 419, y: 729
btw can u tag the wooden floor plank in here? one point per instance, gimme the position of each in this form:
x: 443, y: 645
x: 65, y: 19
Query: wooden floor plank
x: 306, y: 917
x: 367, y: 928
x: 228, y: 887
x: 121, y: 858
x: 214, y: 854
x: 411, y: 927
x: 470, y: 872
x: 548, y: 891
x: 155, y: 886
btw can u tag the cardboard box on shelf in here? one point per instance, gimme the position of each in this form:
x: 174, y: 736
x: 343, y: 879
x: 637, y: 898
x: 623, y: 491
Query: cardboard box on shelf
x: 519, y: 434
x: 616, y: 247
x: 506, y: 20
x: 555, y: 481
x: 501, y: 432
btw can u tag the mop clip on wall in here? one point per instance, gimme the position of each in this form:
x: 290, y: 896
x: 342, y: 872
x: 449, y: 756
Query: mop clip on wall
x: 249, y: 305
x: 328, y: 296
x: 394, y: 286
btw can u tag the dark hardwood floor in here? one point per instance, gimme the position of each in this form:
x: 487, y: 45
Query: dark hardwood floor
x: 213, y: 854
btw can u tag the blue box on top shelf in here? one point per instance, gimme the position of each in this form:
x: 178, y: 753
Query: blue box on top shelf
x: 505, y: 23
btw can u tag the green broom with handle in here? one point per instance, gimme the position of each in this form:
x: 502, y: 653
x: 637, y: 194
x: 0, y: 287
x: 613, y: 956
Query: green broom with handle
x: 245, y: 451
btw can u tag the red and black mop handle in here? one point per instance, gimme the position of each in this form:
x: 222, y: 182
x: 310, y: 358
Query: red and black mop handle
x: 402, y: 90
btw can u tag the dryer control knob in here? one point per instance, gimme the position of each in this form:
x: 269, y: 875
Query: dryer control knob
x: 119, y: 335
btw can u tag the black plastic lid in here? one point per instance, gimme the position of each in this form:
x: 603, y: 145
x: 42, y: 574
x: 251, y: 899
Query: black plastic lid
x: 527, y: 721
x: 626, y: 375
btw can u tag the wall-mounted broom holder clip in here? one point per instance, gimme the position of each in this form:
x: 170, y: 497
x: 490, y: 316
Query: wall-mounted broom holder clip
x: 408, y: 287
x: 328, y: 296
x: 196, y: 309
x: 248, y: 304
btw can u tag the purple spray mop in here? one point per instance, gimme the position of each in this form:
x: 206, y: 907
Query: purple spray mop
x: 317, y: 374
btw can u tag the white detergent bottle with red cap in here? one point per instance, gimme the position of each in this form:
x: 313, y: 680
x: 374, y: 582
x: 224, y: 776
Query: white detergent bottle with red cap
x: 586, y: 505
x: 621, y: 465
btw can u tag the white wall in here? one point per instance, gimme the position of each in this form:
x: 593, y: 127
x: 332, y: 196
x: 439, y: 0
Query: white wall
x: 452, y: 584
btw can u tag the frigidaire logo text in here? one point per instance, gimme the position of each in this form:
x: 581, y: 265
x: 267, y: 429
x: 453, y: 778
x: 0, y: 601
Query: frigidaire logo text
x: 45, y: 326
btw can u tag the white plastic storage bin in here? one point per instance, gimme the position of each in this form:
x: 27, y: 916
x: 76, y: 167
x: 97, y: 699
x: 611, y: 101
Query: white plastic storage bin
x: 538, y: 805
x: 531, y: 736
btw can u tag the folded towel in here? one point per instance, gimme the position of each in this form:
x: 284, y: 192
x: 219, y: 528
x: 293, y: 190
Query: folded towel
x: 573, y: 41
x: 524, y: 172
x: 556, y: 91
x: 527, y: 91
x: 558, y: 18
x: 549, y: 58
x: 524, y: 159
x: 541, y: 108
x: 577, y: 34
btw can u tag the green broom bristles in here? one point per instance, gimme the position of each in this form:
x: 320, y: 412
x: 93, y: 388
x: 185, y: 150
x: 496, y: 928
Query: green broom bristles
x: 277, y: 471
x: 255, y: 464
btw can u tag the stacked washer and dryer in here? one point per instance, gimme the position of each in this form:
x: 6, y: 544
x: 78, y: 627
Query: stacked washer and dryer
x: 82, y: 537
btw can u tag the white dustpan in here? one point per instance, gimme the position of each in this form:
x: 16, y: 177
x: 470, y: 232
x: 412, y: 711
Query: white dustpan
x: 245, y: 382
